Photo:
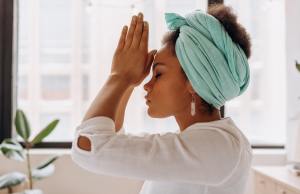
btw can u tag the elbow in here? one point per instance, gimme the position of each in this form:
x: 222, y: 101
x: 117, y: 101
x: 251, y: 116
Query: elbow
x: 81, y: 149
x: 84, y: 143
x: 81, y: 152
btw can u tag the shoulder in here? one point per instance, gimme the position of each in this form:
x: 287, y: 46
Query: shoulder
x: 222, y: 135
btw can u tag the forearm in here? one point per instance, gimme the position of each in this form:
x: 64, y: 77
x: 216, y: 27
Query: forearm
x: 109, y: 99
x: 133, y: 62
x: 121, y: 108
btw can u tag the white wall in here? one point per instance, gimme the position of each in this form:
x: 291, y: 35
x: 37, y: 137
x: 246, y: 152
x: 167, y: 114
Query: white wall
x: 69, y: 178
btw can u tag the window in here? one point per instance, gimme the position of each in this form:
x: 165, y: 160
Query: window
x: 261, y: 111
x: 65, y: 49
x: 6, y: 61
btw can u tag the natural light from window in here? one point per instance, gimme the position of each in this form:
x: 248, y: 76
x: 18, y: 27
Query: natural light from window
x: 65, y: 49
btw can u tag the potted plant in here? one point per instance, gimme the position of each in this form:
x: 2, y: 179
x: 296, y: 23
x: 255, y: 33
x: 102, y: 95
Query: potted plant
x: 12, y: 149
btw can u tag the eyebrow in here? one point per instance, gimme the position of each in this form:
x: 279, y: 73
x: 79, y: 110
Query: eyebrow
x: 156, y: 64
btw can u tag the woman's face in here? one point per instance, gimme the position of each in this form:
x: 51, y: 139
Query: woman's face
x: 167, y: 91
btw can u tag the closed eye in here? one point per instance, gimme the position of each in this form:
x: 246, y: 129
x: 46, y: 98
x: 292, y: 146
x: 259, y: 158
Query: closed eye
x: 157, y: 75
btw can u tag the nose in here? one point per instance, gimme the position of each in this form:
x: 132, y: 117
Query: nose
x: 147, y: 86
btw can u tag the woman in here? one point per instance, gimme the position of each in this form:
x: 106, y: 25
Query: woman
x: 201, y: 65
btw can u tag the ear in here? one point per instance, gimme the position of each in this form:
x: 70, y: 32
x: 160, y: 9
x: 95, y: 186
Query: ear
x: 189, y: 87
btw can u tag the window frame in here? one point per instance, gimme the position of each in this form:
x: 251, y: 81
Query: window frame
x: 6, y: 64
x: 8, y: 72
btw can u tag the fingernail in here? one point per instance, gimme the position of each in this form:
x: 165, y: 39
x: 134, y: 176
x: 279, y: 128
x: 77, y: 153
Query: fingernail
x: 140, y: 15
x: 134, y: 18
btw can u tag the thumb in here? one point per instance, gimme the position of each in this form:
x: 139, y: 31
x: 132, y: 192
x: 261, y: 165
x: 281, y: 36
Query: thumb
x: 150, y: 58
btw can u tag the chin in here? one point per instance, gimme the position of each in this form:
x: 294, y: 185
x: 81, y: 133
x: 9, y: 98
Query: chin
x: 154, y: 114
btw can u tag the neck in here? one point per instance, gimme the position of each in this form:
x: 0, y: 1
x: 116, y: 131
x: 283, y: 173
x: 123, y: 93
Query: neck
x: 185, y: 118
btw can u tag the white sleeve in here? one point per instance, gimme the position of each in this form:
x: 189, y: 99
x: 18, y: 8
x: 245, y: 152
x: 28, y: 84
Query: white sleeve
x: 192, y: 156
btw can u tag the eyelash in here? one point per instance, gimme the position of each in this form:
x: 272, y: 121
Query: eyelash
x: 157, y: 75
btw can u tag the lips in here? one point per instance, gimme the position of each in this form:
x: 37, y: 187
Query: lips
x: 147, y: 99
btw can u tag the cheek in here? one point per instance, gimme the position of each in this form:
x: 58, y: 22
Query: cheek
x: 177, y: 95
x: 170, y: 94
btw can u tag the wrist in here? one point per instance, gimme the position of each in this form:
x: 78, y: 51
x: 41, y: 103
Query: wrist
x: 121, y: 80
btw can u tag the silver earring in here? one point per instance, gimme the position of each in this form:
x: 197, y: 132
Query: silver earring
x: 193, y: 106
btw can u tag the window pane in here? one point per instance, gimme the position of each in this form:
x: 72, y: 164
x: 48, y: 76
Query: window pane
x: 65, y: 51
x: 55, y: 87
x: 54, y: 24
x: 85, y: 87
x: 260, y: 111
x: 23, y: 87
x: 63, y: 131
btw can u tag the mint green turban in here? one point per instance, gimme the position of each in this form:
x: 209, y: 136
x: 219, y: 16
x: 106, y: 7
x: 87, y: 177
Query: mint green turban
x: 216, y: 66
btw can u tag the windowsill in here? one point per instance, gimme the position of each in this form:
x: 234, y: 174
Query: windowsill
x: 45, y: 151
x: 269, y: 151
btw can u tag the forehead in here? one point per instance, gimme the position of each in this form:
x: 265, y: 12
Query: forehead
x: 163, y: 53
x: 163, y: 56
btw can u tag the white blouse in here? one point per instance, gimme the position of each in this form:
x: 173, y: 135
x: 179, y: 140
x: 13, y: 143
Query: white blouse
x: 206, y: 158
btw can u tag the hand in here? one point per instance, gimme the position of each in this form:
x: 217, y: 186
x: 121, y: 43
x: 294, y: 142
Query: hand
x: 131, y: 60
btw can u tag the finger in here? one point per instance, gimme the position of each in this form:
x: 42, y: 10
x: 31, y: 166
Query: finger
x: 150, y: 59
x: 145, y: 36
x: 138, y: 32
x: 121, y: 42
x: 129, y: 37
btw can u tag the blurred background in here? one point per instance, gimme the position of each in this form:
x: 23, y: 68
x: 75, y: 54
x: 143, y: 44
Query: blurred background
x: 56, y: 54
x: 65, y: 49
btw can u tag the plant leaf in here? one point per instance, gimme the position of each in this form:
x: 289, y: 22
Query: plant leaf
x: 45, y: 132
x: 12, y: 149
x: 38, y: 174
x: 22, y: 125
x: 11, y: 179
x: 47, y: 162
x: 11, y: 144
x: 298, y: 66
x: 45, y: 169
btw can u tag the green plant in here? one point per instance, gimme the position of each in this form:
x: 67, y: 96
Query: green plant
x: 12, y: 149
